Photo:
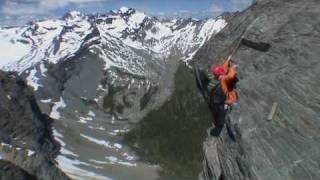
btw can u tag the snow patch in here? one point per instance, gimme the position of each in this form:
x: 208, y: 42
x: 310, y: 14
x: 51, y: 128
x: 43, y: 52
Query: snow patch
x: 57, y: 105
x: 32, y: 80
x: 129, y: 157
x: 65, y: 151
x: 43, y: 70
x: 69, y: 166
x: 12, y: 48
x: 30, y: 152
x: 136, y: 19
x: 74, y: 13
x: 102, y: 142
x: 91, y: 113
x: 85, y: 119
x: 97, y: 141
x: 98, y: 162
x: 7, y: 145
x: 101, y: 128
x: 112, y: 159
x: 46, y: 100
x: 118, y: 132
x: 115, y: 160
x: 119, y: 146
x: 127, y: 163
x: 124, y: 9
x: 58, y: 137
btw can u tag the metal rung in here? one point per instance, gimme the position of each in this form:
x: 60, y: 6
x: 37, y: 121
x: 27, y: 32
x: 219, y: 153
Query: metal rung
x: 273, y: 111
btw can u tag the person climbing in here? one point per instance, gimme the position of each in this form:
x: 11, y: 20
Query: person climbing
x: 218, y: 89
x: 221, y: 90
x: 227, y: 77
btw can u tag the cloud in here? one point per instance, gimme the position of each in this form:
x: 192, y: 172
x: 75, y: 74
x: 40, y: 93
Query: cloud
x: 54, y: 4
x: 39, y: 7
x: 183, y: 11
x: 16, y: 8
x: 219, y: 6
x: 239, y: 5
x: 215, y: 8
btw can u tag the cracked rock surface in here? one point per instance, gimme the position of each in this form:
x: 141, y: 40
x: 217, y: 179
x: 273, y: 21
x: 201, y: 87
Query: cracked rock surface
x: 10, y: 171
x: 27, y: 146
x: 249, y: 146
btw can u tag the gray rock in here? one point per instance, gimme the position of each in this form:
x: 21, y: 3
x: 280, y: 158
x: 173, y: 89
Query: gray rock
x: 249, y: 146
x: 25, y: 132
x: 10, y: 171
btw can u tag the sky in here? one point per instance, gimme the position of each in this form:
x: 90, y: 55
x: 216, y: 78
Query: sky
x: 18, y: 12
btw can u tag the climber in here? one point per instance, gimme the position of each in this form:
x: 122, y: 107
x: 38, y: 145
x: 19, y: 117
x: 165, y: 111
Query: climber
x: 227, y: 77
x: 218, y: 89
x: 221, y: 91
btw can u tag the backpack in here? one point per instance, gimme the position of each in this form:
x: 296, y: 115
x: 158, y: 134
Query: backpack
x: 217, y: 96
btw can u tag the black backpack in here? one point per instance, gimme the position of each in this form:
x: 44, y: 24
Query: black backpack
x: 216, y: 94
x: 212, y: 96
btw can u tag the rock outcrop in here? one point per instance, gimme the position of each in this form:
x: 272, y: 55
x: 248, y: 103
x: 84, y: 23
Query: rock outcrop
x: 10, y: 171
x: 249, y: 146
x: 25, y: 133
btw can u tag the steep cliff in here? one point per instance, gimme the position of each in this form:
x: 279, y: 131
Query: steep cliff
x: 25, y: 133
x: 10, y: 171
x: 249, y: 146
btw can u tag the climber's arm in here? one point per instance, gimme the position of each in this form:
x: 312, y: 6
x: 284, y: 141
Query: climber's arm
x: 226, y: 65
x: 226, y: 79
x: 224, y: 84
x: 232, y: 74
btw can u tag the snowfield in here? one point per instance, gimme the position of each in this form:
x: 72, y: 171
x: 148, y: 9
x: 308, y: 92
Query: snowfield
x: 126, y: 29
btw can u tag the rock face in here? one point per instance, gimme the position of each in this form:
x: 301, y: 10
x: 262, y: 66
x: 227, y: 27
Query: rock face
x: 21, y: 120
x: 10, y: 171
x: 25, y: 133
x: 249, y: 146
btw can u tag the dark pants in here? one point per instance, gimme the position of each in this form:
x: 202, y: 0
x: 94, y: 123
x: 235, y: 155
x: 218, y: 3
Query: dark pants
x: 219, y: 115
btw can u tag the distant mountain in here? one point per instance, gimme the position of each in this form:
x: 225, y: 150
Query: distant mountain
x: 59, y: 39
x: 99, y: 75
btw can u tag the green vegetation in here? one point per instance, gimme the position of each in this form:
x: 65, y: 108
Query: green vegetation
x: 172, y: 135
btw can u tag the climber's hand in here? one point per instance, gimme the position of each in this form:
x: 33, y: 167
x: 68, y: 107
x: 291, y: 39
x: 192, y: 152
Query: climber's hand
x: 235, y: 105
x: 227, y: 107
x: 229, y: 58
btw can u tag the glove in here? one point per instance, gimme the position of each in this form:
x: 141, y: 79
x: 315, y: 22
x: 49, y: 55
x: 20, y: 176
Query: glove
x: 235, y: 105
x: 227, y: 107
x: 232, y: 106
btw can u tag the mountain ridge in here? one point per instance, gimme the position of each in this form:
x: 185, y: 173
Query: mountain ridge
x: 98, y: 77
x: 74, y: 27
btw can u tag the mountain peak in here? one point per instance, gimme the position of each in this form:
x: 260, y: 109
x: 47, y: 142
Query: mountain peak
x: 124, y: 9
x: 62, y: 38
x: 72, y: 15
